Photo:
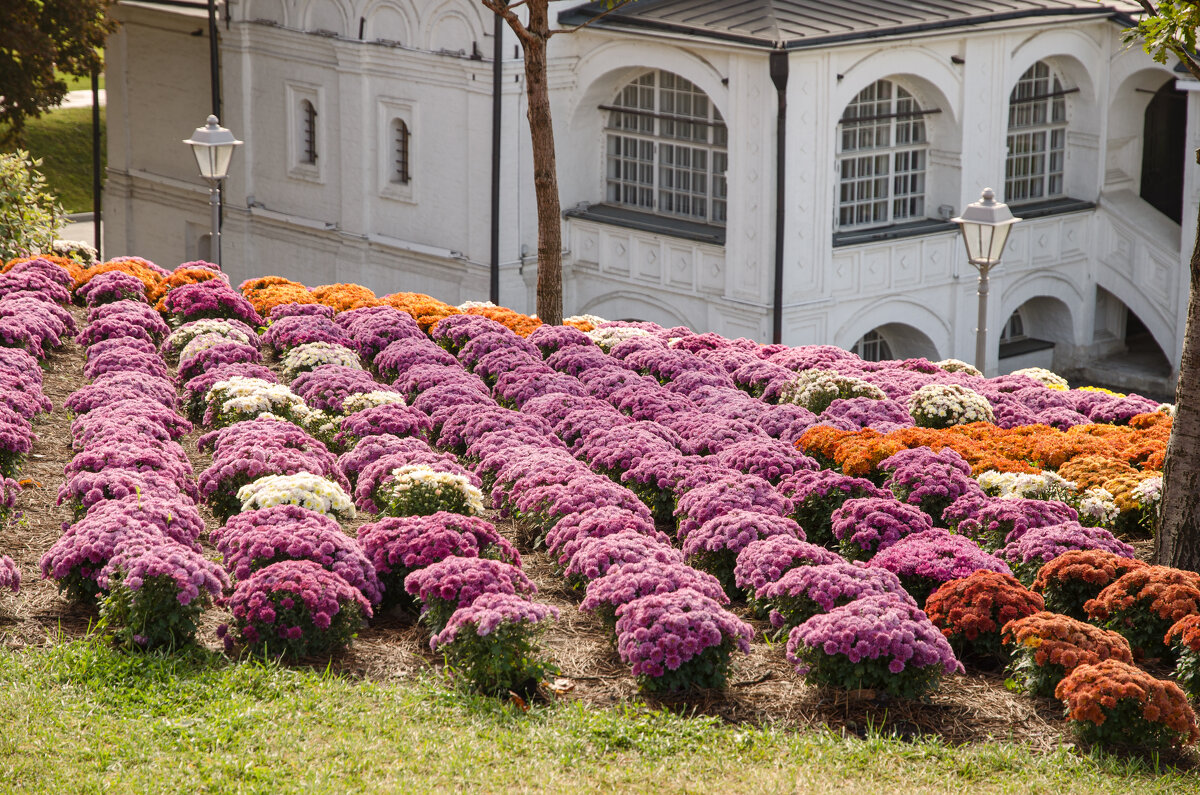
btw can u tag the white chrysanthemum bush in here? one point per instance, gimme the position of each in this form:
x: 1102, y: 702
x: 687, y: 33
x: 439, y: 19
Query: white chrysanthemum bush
x: 303, y: 488
x: 420, y: 490
x: 816, y: 389
x: 944, y: 405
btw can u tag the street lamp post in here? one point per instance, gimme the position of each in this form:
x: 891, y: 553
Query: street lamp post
x: 985, y: 225
x: 213, y: 147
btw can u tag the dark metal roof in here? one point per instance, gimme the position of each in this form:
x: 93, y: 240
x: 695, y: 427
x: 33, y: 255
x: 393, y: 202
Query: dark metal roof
x: 807, y: 23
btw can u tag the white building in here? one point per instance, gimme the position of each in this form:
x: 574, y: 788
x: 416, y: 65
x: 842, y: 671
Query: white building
x: 368, y: 158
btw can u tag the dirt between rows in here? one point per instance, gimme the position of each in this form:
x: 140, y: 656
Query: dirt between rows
x: 763, y: 689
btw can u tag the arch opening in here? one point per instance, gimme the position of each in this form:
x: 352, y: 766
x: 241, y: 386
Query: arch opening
x: 895, y: 341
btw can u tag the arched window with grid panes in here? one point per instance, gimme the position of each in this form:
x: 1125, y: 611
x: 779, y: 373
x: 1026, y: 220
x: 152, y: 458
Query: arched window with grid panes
x: 401, y: 146
x: 308, y: 132
x: 872, y: 347
x: 1037, y: 137
x: 667, y: 149
x: 883, y: 152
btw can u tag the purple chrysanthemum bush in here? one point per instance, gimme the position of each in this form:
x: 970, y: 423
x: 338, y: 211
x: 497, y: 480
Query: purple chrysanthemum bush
x: 680, y: 640
x: 883, y: 643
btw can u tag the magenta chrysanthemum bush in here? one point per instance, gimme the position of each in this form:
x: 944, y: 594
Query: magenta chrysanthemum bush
x: 817, y: 494
x: 746, y: 492
x: 9, y: 489
x: 84, y: 489
x: 714, y: 545
x: 770, y: 459
x: 999, y: 521
x: 392, y: 418
x: 296, y: 330
x: 595, y: 556
x: 544, y: 506
x: 170, y: 424
x: 925, y: 560
x: 880, y: 642
x: 112, y: 286
x: 564, y: 539
x: 451, y: 583
x: 86, y: 547
x: 177, y: 518
x: 680, y: 640
x: 1030, y: 550
x: 16, y: 440
x: 805, y: 591
x: 114, y: 386
x: 294, y: 608
x: 299, y: 310
x: 457, y: 330
x: 325, y: 387
x: 156, y: 592
x: 866, y: 525
x: 196, y: 390
x: 125, y: 359
x: 931, y: 481
x: 403, y: 354
x: 211, y: 299
x: 256, y: 539
x: 765, y: 561
x: 629, y: 581
x: 134, y: 458
x: 492, y: 643
x: 10, y: 575
x: 372, y: 448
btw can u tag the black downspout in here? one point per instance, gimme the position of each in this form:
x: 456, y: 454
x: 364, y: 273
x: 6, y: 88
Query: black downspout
x: 214, y: 67
x: 497, y: 78
x: 96, y: 226
x: 779, y: 76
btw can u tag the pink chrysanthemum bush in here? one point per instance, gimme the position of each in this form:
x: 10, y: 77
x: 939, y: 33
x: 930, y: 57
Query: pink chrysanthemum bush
x: 714, y: 545
x: 816, y: 495
x: 925, y: 560
x: 806, y: 591
x: 156, y: 592
x: 453, y: 582
x: 596, y: 556
x: 492, y: 643
x: 10, y: 575
x: 883, y: 643
x: 1113, y: 703
x: 867, y: 525
x: 631, y: 581
x: 768, y: 559
x: 398, y: 546
x: 294, y: 608
x: 679, y: 641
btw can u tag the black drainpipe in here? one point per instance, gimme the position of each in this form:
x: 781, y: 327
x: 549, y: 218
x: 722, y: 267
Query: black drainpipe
x: 214, y: 68
x: 497, y: 77
x: 779, y: 76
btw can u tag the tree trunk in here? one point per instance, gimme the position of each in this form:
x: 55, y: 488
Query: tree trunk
x: 1177, y: 539
x: 545, y: 173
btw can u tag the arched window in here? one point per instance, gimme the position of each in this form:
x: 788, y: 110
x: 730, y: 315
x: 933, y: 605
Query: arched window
x: 308, y: 132
x: 402, y: 140
x: 882, y: 155
x: 872, y: 347
x: 1037, y: 137
x: 1014, y: 329
x: 666, y: 149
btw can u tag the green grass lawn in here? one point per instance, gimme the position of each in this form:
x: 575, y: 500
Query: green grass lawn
x: 63, y: 139
x: 81, y: 717
x: 78, y: 83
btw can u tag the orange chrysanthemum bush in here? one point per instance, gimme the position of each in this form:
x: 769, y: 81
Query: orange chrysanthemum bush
x: 71, y: 266
x: 1076, y: 576
x: 1091, y: 470
x: 1184, y: 639
x: 268, y: 292
x: 1144, y: 603
x: 1116, y: 704
x: 178, y: 279
x: 1046, y: 646
x: 523, y: 325
x: 971, y: 611
x: 133, y: 266
x: 424, y: 309
x: 344, y: 297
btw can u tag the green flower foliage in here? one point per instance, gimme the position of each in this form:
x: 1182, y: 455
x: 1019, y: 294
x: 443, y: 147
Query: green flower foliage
x: 29, y: 214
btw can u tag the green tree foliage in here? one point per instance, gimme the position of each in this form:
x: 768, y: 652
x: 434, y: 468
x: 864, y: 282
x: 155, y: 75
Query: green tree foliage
x: 36, y: 37
x: 29, y: 213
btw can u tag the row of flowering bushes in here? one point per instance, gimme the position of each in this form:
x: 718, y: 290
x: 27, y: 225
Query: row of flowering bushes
x: 134, y: 541
x: 588, y: 433
x: 34, y: 321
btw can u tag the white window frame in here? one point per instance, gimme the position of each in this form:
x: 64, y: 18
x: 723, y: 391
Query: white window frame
x: 388, y: 111
x: 1035, y: 167
x: 666, y: 149
x: 882, y: 158
x: 296, y: 94
x: 872, y: 347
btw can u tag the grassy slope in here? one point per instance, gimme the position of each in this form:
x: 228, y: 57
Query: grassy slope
x: 63, y: 139
x: 79, y: 717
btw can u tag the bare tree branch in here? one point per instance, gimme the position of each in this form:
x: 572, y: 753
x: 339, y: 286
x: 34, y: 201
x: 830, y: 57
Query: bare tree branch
x: 601, y: 15
x: 514, y: 21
